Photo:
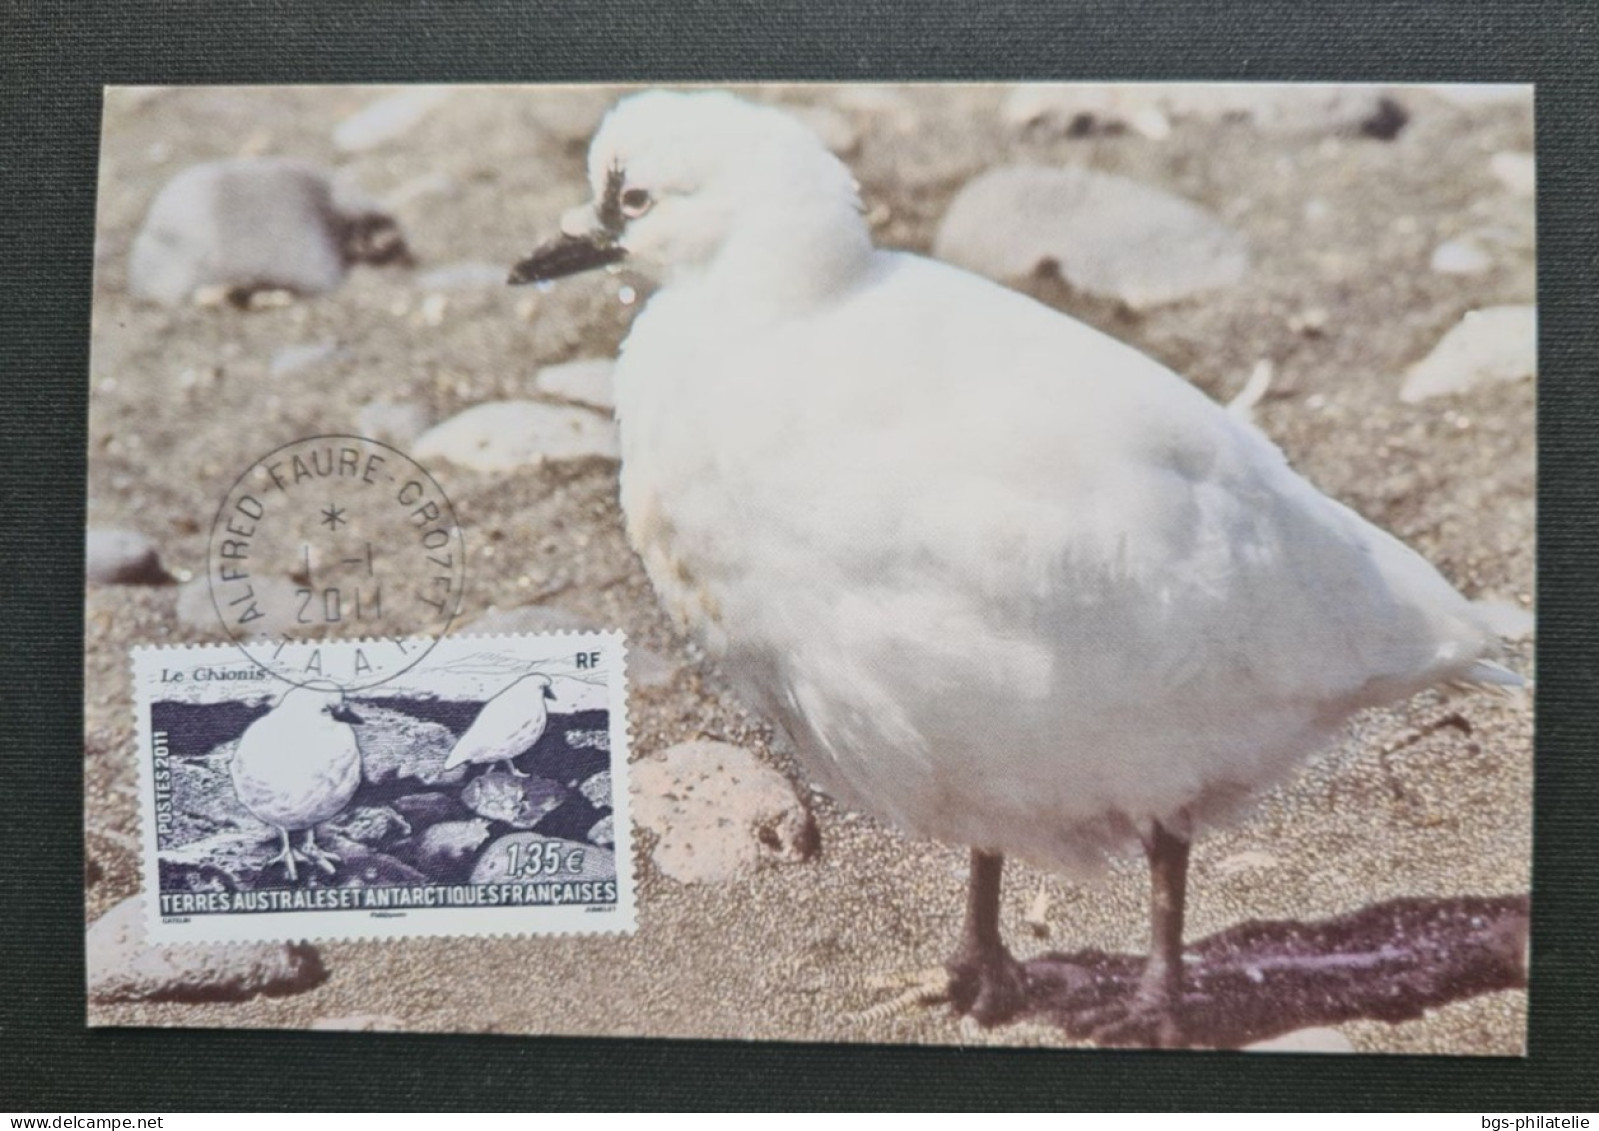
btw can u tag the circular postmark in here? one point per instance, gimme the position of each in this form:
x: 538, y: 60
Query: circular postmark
x: 335, y: 538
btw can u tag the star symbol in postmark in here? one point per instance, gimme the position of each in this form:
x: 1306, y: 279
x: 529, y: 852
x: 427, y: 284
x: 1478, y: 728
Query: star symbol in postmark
x: 332, y: 517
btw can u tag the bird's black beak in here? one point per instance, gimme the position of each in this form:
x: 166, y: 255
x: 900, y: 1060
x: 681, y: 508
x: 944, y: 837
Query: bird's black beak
x: 549, y: 692
x: 344, y: 714
x: 567, y: 255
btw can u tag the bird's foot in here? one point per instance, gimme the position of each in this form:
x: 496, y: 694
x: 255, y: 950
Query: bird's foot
x: 1139, y: 1019
x: 287, y: 857
x: 987, y: 985
x: 516, y: 773
x: 314, y: 853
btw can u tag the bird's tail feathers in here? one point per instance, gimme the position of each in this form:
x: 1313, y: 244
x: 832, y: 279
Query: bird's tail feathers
x: 1494, y: 677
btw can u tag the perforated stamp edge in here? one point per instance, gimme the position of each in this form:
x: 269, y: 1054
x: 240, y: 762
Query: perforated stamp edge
x: 333, y: 925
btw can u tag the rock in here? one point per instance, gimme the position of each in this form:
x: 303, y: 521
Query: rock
x: 1464, y: 256
x: 835, y: 129
x: 571, y: 113
x: 1496, y: 344
x: 449, y: 847
x: 1249, y: 860
x: 1386, y: 121
x: 360, y: 1023
x: 649, y: 671
x: 396, y: 423
x: 717, y: 811
x: 509, y: 435
x: 1518, y: 172
x: 424, y: 810
x: 204, y: 800
x: 388, y: 118
x: 530, y: 855
x: 604, y: 831
x: 597, y: 790
x: 249, y: 225
x: 122, y: 966
x: 519, y: 802
x: 293, y: 359
x: 1076, y: 110
x: 1104, y: 234
x: 1305, y: 1040
x: 1293, y: 109
x: 464, y: 276
x: 122, y: 557
x: 587, y: 381
x: 278, y: 604
x: 421, y: 187
x: 1303, y: 110
x: 397, y: 745
x: 131, y: 97
x: 369, y: 824
x: 360, y: 867
x: 529, y: 619
x: 1471, y: 94
x: 224, y: 860
x: 597, y: 739
x: 885, y: 103
x: 1310, y: 322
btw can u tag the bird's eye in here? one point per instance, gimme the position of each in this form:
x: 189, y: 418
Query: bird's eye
x: 636, y: 202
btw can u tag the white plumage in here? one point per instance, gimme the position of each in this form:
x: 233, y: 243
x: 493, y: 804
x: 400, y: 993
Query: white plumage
x: 508, y: 725
x: 1008, y: 582
x: 297, y: 766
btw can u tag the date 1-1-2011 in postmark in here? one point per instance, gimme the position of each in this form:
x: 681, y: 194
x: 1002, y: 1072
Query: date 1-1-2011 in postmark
x: 482, y: 790
x: 335, y: 537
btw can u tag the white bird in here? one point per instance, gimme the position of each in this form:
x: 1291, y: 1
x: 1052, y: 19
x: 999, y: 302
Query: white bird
x: 297, y: 766
x: 1007, y: 582
x: 507, y: 726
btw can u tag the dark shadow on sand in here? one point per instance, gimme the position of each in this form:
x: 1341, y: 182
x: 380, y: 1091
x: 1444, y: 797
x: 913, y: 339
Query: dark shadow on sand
x: 1391, y: 962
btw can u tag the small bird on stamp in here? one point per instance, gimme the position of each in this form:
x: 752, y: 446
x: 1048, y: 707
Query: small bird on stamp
x: 297, y: 766
x: 1008, y: 582
x: 508, y: 726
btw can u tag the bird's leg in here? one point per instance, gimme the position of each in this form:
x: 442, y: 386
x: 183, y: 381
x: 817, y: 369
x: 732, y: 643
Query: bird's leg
x: 286, y: 857
x: 511, y: 765
x: 316, y: 854
x: 1160, y: 989
x: 985, y: 982
x: 1151, y: 1014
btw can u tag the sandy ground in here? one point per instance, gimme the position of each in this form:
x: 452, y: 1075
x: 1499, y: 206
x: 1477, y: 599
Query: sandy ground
x: 181, y: 401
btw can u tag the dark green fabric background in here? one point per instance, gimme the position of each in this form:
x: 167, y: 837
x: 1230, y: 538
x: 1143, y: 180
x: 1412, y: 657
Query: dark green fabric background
x: 54, y: 57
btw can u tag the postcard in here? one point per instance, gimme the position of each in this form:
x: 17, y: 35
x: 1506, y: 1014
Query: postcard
x: 1041, y: 565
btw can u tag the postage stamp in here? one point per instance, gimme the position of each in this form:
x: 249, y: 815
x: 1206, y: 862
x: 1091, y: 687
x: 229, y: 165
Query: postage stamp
x: 481, y: 791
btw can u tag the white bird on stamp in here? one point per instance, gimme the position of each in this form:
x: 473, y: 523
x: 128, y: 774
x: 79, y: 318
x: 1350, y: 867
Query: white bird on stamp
x: 507, y: 726
x: 297, y: 766
x: 1007, y: 582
